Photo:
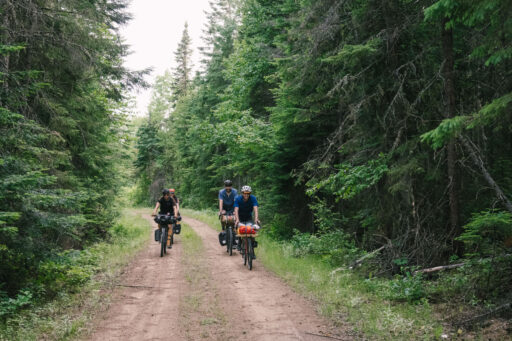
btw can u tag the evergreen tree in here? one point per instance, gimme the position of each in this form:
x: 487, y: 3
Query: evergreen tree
x: 181, y: 73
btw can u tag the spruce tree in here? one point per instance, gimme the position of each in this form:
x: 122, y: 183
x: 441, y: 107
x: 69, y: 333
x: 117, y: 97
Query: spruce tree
x: 181, y: 72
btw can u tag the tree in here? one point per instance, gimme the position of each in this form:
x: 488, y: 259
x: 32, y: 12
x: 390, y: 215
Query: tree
x: 181, y: 74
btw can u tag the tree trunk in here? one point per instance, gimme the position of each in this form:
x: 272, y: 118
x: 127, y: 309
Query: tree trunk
x: 449, y: 89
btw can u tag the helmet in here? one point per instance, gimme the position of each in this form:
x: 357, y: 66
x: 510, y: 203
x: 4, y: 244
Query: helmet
x: 172, y: 190
x: 165, y: 191
x: 228, y: 183
x: 246, y: 189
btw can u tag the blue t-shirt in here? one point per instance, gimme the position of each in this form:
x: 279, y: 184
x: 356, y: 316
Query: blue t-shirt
x: 227, y: 200
x: 245, y: 208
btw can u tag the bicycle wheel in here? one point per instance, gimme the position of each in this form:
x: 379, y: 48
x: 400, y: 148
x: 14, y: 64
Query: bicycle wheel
x: 230, y: 241
x: 163, y: 241
x: 246, y: 253
x: 250, y: 253
x: 172, y: 236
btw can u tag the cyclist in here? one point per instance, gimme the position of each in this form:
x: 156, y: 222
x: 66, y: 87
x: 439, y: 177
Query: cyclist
x: 245, y: 205
x: 172, y: 192
x: 167, y: 206
x: 226, y: 203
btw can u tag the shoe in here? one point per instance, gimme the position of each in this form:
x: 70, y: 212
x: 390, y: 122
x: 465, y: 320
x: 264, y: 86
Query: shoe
x: 169, y: 246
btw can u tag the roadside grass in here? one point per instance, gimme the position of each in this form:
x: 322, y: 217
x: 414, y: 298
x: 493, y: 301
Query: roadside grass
x: 70, y: 314
x: 343, y: 296
x: 199, y: 308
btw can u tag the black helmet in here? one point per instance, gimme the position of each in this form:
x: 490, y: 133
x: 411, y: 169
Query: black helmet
x: 228, y: 183
x: 165, y: 191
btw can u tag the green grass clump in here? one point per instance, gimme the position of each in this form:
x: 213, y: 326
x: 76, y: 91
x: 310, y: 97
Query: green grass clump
x: 80, y: 280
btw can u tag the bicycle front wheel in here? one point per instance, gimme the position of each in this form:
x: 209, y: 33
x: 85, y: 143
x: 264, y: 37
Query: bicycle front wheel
x: 245, y: 250
x: 163, y: 242
x: 230, y: 241
x: 250, y: 251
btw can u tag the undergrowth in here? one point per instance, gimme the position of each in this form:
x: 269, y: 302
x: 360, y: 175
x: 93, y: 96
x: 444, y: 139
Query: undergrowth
x: 70, y: 288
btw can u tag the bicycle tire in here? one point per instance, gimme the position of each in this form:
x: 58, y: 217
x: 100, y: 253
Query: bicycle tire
x: 250, y: 252
x: 172, y: 237
x: 246, y: 254
x: 230, y: 241
x: 163, y: 242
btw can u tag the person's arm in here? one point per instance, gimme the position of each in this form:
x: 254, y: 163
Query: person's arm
x: 220, y: 206
x: 178, y: 205
x: 237, y: 220
x: 175, y: 207
x: 156, y: 207
x: 256, y: 218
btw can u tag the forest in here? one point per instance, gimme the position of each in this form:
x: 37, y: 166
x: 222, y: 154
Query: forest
x: 361, y: 126
x: 377, y: 135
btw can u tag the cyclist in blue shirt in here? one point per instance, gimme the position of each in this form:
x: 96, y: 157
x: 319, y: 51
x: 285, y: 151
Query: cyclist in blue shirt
x: 226, y: 203
x: 245, y: 205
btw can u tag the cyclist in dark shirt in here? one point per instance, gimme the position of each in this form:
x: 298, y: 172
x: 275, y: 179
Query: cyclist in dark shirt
x: 167, y: 206
x: 172, y: 192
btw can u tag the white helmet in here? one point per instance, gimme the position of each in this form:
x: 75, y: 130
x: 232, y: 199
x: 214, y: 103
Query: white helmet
x: 246, y: 189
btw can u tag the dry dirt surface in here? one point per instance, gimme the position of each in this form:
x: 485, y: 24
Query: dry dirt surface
x: 207, y: 295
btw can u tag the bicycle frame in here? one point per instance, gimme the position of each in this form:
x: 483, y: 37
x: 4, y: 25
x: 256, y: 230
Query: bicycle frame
x: 247, y: 248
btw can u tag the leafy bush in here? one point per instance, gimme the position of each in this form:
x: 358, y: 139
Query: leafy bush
x: 410, y: 288
x: 66, y: 272
x: 487, y: 233
x: 9, y: 306
x: 334, y: 247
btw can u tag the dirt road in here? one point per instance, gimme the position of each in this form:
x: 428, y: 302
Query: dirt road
x: 206, y: 294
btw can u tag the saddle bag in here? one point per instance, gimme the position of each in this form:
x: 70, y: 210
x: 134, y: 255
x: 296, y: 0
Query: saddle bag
x: 222, y: 238
x: 176, y: 229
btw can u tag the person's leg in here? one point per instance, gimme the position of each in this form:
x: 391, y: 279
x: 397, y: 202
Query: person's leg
x: 169, y: 234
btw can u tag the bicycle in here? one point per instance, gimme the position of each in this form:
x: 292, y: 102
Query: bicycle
x: 163, y: 222
x: 247, y: 234
x: 230, y: 233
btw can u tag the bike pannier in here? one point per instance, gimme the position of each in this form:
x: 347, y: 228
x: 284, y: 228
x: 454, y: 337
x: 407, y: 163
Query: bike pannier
x: 222, y: 238
x: 157, y: 235
x: 176, y: 228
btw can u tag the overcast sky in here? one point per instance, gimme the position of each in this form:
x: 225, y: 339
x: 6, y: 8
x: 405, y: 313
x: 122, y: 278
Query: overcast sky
x: 154, y: 33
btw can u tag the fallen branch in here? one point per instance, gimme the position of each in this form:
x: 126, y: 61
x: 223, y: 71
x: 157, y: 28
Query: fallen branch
x: 368, y: 255
x: 481, y: 318
x: 360, y: 260
x: 438, y: 268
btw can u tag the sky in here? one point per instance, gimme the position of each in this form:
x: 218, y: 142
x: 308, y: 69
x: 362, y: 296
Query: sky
x: 154, y: 33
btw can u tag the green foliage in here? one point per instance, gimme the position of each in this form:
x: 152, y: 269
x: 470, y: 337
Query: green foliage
x: 449, y: 129
x: 333, y: 247
x: 64, y: 138
x: 321, y: 106
x: 8, y: 306
x: 351, y: 180
x: 486, y: 233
